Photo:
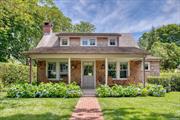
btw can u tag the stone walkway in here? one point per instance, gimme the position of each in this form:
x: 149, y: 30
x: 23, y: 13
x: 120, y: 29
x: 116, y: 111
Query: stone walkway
x: 87, y: 108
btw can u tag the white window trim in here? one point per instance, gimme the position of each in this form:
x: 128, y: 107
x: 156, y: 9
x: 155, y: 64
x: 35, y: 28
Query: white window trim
x: 67, y: 41
x: 88, y: 39
x: 118, y: 70
x: 57, y: 69
x: 109, y: 38
x: 149, y: 65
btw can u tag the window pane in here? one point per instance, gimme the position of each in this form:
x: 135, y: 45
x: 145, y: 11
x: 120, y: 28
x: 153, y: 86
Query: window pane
x: 63, y: 67
x: 146, y: 67
x: 64, y: 42
x: 112, y: 69
x: 63, y: 70
x: 88, y: 70
x: 85, y: 42
x: 112, y: 42
x: 123, y: 74
x: 123, y: 66
x: 123, y: 70
x: 51, y: 70
x: 92, y: 42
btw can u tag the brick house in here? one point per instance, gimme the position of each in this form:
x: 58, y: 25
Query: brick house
x: 90, y: 59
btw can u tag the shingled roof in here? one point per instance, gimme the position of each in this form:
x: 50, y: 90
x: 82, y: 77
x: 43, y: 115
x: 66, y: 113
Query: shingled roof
x: 88, y: 34
x: 89, y: 50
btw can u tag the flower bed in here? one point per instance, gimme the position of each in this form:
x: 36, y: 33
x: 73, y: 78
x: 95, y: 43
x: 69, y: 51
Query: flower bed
x: 44, y: 90
x: 130, y: 91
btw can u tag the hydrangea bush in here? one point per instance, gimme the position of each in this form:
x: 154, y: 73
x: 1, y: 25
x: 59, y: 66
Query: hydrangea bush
x: 44, y: 90
x: 130, y: 91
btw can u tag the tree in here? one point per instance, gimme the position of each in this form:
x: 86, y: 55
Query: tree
x: 166, y: 34
x: 84, y: 27
x: 21, y: 25
x: 165, y: 43
x: 169, y: 53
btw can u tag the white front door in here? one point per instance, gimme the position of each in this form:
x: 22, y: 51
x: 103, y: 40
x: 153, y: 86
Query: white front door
x: 88, y: 80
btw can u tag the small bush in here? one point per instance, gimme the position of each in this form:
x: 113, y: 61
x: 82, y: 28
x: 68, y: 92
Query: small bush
x: 156, y: 90
x: 15, y: 73
x: 130, y: 91
x: 44, y: 90
x: 117, y: 91
x: 103, y: 91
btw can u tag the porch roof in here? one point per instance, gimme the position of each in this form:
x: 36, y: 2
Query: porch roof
x: 84, y: 50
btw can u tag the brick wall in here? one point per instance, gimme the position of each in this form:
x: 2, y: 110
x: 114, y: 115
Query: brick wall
x: 76, y: 71
x: 100, y: 72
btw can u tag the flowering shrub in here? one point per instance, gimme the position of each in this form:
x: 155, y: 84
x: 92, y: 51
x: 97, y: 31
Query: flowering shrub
x: 44, y: 90
x: 103, y: 91
x: 156, y: 90
x: 130, y: 91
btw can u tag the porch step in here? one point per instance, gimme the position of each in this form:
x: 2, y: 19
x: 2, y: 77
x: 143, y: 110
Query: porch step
x: 89, y: 92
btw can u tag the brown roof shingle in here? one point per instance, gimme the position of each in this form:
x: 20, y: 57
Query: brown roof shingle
x: 89, y: 50
x: 88, y: 34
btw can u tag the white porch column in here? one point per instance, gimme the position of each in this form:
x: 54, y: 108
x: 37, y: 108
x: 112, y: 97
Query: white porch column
x: 69, y: 70
x: 106, y: 71
x: 143, y: 72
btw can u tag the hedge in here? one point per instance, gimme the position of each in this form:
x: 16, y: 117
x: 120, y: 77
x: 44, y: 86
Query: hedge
x: 170, y: 82
x: 15, y: 73
x: 130, y: 91
x: 44, y: 90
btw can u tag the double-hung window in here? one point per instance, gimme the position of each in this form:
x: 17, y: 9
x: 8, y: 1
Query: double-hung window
x: 123, y: 70
x: 64, y: 41
x: 112, y: 42
x: 118, y: 70
x: 52, y: 70
x: 63, y: 72
x: 88, y: 42
x: 112, y: 69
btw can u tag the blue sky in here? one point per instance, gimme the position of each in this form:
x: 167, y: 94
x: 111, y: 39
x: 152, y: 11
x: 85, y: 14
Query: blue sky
x: 124, y: 16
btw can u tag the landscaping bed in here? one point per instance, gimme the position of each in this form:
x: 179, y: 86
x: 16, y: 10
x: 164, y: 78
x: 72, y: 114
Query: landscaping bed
x: 130, y: 91
x: 44, y: 90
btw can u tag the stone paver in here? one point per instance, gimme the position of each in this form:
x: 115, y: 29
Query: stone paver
x: 87, y: 108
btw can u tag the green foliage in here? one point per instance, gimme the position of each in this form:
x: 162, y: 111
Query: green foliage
x: 44, y: 90
x: 117, y: 91
x: 156, y: 90
x: 169, y: 52
x: 103, y: 91
x: 130, y: 91
x: 15, y: 73
x: 83, y: 27
x: 163, y: 42
x: 21, y: 24
x: 171, y: 81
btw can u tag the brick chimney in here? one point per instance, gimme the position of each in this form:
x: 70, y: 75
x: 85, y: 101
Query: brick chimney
x: 47, y: 28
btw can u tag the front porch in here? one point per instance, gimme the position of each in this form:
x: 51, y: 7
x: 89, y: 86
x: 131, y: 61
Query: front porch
x: 89, y: 72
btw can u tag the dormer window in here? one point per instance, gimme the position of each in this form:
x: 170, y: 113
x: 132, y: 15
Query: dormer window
x: 88, y: 42
x: 112, y: 42
x: 64, y: 42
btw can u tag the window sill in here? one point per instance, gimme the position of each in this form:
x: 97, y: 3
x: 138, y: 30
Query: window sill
x: 120, y: 79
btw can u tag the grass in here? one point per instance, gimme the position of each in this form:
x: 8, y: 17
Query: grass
x: 36, y: 108
x: 149, y: 108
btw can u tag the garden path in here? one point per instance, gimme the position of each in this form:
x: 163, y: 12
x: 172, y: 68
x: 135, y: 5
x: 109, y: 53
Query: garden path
x: 87, y: 108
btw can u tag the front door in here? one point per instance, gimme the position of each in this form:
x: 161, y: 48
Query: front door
x: 88, y: 80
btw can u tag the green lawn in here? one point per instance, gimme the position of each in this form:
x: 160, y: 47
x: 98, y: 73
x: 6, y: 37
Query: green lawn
x: 36, y: 108
x: 149, y: 108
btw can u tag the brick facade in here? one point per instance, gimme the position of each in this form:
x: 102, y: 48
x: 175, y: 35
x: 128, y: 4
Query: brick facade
x: 135, y: 72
